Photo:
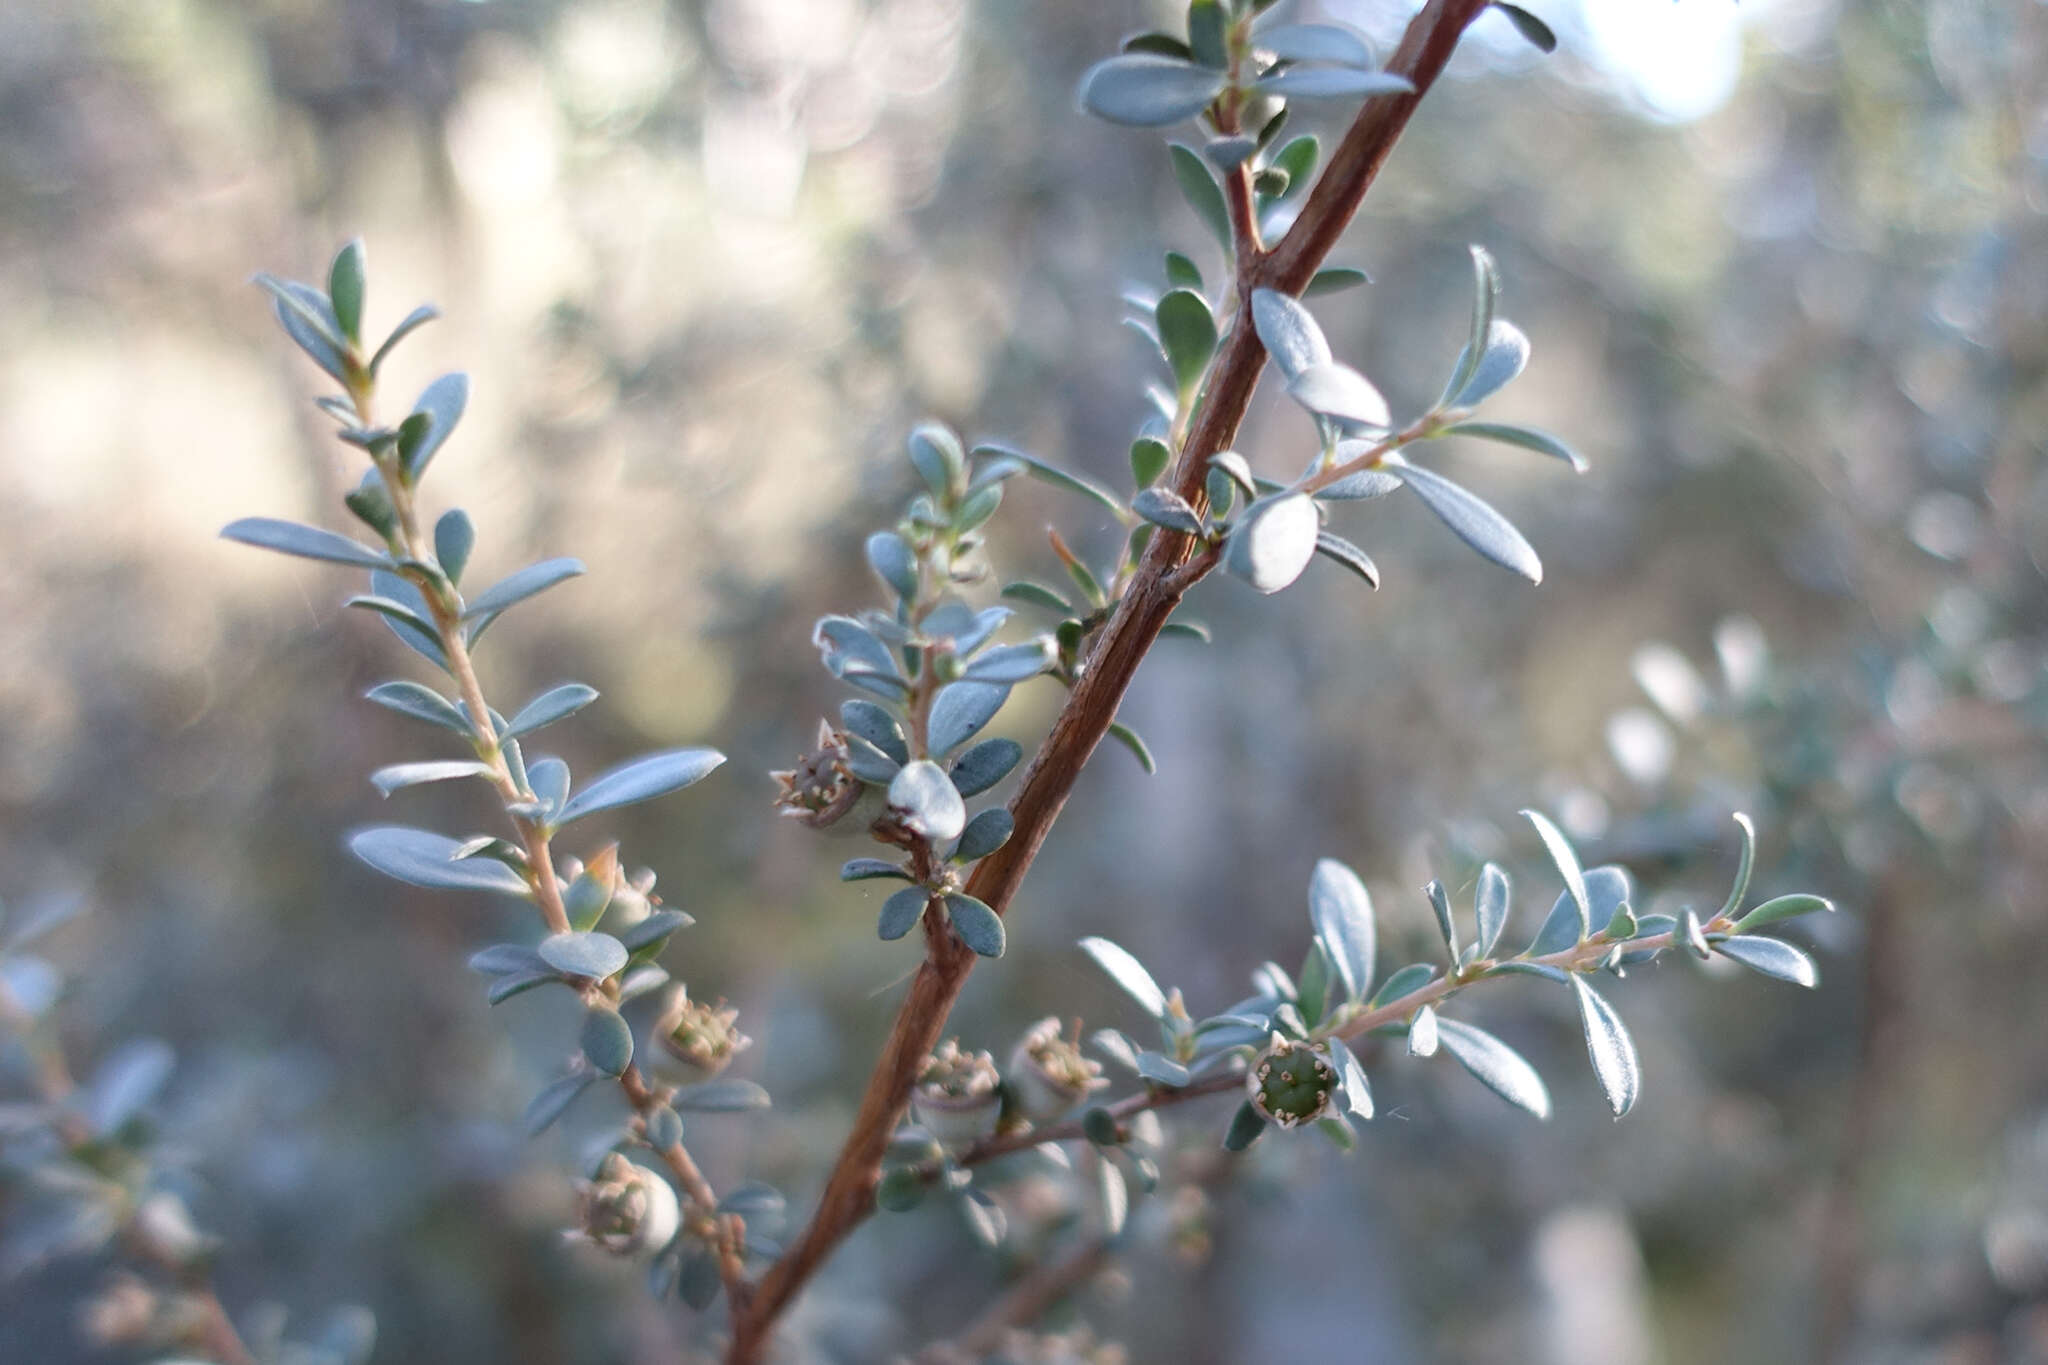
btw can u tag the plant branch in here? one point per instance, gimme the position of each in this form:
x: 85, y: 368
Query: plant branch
x: 726, y: 1234
x: 1585, y: 957
x: 848, y: 1197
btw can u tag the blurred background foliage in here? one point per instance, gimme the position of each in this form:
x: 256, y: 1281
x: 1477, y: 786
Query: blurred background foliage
x: 706, y: 263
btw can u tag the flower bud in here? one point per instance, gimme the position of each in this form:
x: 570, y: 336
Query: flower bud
x: 627, y: 1209
x: 1291, y: 1082
x: 959, y: 1096
x: 697, y: 1040
x: 1048, y: 1075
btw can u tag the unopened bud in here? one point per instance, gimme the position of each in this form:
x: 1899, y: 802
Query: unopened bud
x: 1291, y: 1082
x: 627, y: 1209
x: 959, y: 1096
x: 698, y: 1040
x: 1048, y: 1075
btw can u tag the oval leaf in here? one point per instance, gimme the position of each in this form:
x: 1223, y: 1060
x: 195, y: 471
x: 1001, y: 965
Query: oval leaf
x: 1773, y: 957
x: 1142, y: 90
x: 1341, y: 911
x: 307, y: 542
x: 557, y: 703
x: 1496, y: 1066
x: 986, y: 764
x: 596, y: 956
x: 607, y: 1041
x: 722, y: 1097
x: 641, y: 780
x: 1474, y: 521
x: 901, y: 912
x: 1612, y: 1050
x: 1273, y: 541
x: 1289, y: 331
x: 1129, y: 973
x: 959, y: 712
x: 979, y: 927
x: 422, y: 858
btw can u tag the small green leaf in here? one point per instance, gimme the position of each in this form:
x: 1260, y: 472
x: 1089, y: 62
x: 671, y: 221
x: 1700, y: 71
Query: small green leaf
x: 1331, y: 82
x: 1501, y: 361
x: 607, y: 1041
x: 1496, y: 1066
x: 1273, y: 541
x: 1163, y: 507
x: 984, y: 765
x: 1051, y: 473
x: 1779, y: 908
x: 1341, y: 551
x: 345, y: 289
x: 400, y: 775
x: 1130, y: 739
x: 1202, y: 192
x: 1490, y: 906
x: 1244, y: 1130
x: 442, y: 403
x: 1472, y: 519
x: 417, y: 318
x: 664, y: 1130
x: 1038, y: 595
x: 1406, y: 981
x: 423, y: 858
x: 1289, y: 332
x: 1745, y: 865
x: 1423, y: 1033
x: 979, y: 927
x: 940, y: 462
x: 1144, y: 90
x: 901, y: 912
x: 307, y: 542
x: 420, y: 702
x: 1149, y: 459
x: 1187, y: 333
x: 515, y: 588
x: 554, y: 1100
x: 722, y: 1097
x: 1341, y: 911
x: 984, y: 834
x: 642, y: 779
x: 1357, y: 1093
x: 1612, y: 1050
x: 959, y: 712
x: 1567, y: 863
x: 1529, y: 26
x: 1340, y: 393
x: 1129, y: 973
x: 1773, y: 957
x: 890, y: 556
x: 868, y: 869
x: 1446, y: 927
x: 1528, y: 438
x: 574, y: 953
x: 454, y: 538
x: 1334, y: 278
x: 1181, y: 273
x: 557, y: 703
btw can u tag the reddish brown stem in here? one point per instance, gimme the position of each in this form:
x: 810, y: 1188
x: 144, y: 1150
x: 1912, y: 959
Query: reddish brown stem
x: 1092, y: 706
